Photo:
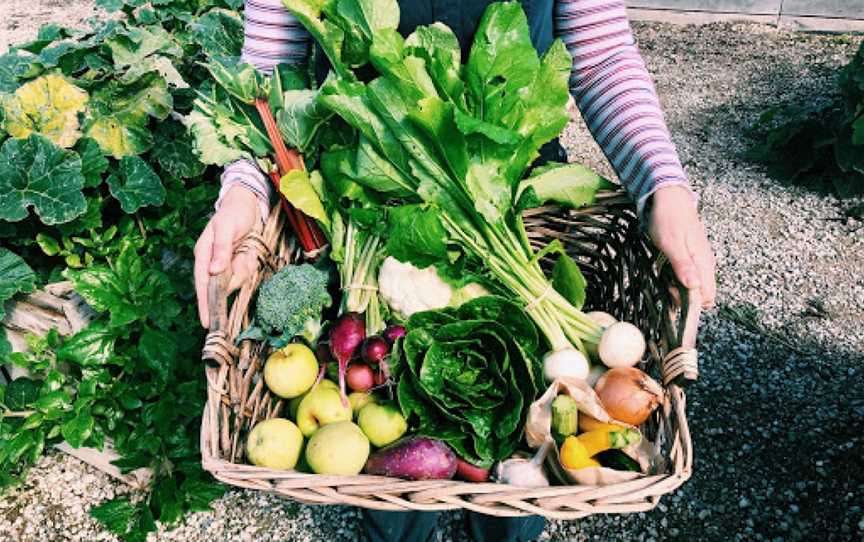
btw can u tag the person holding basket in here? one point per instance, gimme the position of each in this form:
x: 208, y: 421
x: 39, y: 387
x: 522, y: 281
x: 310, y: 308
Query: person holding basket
x: 615, y: 94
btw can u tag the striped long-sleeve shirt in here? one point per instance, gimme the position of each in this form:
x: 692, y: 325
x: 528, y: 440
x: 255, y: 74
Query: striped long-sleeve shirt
x: 609, y: 82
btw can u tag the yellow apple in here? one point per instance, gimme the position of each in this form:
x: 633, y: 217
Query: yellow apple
x: 291, y: 371
x: 383, y: 424
x: 294, y: 403
x: 337, y: 448
x: 320, y: 407
x: 275, y: 444
x: 360, y: 399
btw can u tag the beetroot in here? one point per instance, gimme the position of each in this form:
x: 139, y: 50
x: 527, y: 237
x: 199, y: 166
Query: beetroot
x: 346, y: 335
x: 374, y: 350
x: 414, y: 458
x: 470, y: 473
x: 394, y: 332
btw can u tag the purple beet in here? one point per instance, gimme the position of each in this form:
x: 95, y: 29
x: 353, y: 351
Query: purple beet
x: 374, y: 350
x: 345, y: 336
x: 394, y: 332
x: 414, y: 458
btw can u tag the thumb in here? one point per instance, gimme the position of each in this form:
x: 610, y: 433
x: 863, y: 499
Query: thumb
x: 683, y: 266
x: 222, y: 247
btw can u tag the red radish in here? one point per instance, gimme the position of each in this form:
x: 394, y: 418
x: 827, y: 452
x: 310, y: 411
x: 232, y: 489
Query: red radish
x: 360, y: 377
x: 347, y: 334
x: 374, y: 350
x: 394, y: 332
x: 470, y: 473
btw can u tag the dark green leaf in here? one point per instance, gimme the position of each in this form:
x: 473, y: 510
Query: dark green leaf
x: 15, y: 277
x: 219, y: 33
x: 92, y: 346
x: 36, y: 173
x: 567, y: 279
x: 93, y: 163
x: 21, y: 393
x: 416, y: 235
x: 117, y: 515
x: 159, y: 353
x: 77, y: 430
x: 136, y: 185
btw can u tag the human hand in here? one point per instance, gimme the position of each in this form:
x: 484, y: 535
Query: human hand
x: 236, y: 217
x: 674, y: 225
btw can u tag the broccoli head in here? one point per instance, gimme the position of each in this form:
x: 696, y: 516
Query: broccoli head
x: 290, y: 303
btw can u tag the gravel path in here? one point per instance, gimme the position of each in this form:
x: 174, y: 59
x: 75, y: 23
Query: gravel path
x: 777, y: 413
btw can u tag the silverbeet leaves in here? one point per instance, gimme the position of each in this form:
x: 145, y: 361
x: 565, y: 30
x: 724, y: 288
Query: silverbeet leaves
x: 466, y: 376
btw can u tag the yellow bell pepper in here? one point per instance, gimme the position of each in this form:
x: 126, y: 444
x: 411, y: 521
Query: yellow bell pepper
x: 589, y: 423
x: 577, y: 452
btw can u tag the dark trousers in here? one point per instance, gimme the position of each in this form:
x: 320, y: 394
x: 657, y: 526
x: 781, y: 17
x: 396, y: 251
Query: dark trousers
x: 421, y: 526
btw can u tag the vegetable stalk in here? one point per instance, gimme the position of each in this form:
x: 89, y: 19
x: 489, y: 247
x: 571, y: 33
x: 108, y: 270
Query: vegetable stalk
x: 310, y: 235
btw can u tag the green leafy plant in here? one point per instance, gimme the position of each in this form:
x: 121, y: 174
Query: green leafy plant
x: 466, y: 376
x: 822, y: 148
x: 99, y: 185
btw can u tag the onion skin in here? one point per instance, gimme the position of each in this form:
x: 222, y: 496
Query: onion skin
x: 628, y: 394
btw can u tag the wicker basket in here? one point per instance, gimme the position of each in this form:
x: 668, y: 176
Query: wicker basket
x: 626, y: 278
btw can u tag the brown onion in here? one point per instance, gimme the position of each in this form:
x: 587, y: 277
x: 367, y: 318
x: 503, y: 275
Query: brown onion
x: 628, y: 394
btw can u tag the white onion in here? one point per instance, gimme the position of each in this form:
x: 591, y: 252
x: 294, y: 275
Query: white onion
x: 568, y: 362
x: 622, y: 345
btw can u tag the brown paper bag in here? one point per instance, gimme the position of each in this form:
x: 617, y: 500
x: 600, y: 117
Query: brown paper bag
x: 538, y: 430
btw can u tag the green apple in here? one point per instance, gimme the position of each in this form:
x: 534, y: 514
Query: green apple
x: 320, y: 407
x: 291, y: 371
x: 383, y: 424
x: 360, y: 399
x: 337, y: 448
x: 275, y: 444
x: 294, y: 403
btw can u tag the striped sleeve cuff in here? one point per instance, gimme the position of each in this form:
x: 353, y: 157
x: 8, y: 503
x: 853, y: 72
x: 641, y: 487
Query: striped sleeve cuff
x: 272, y: 36
x: 616, y: 96
x: 246, y: 174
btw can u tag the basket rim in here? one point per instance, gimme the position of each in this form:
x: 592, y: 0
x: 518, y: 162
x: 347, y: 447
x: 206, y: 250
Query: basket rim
x: 563, y: 502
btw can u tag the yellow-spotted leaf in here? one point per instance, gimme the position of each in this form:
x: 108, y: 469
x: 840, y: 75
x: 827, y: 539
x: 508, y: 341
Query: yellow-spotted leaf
x: 118, y: 116
x: 48, y: 106
x: 299, y: 188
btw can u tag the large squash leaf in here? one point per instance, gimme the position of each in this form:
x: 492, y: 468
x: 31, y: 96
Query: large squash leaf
x: 34, y: 172
x: 15, y: 276
x: 119, y: 115
x: 136, y: 185
x: 50, y: 106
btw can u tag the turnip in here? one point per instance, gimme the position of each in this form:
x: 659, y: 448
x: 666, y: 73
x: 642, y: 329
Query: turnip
x: 414, y: 458
x: 346, y: 335
x: 604, y: 320
x: 567, y: 362
x: 360, y: 377
x: 374, y: 350
x: 622, y: 345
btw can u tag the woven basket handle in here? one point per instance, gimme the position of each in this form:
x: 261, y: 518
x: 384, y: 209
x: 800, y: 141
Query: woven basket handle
x: 216, y: 347
x: 681, y: 364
